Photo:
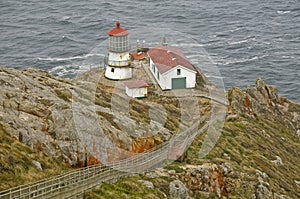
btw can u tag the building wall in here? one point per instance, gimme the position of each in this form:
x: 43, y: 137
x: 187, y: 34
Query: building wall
x: 118, y: 59
x: 158, y: 77
x: 118, y: 72
x: 165, y: 80
x: 136, y: 92
x: 190, y: 77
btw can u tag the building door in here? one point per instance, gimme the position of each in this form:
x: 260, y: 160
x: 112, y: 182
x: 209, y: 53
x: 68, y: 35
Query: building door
x: 179, y: 83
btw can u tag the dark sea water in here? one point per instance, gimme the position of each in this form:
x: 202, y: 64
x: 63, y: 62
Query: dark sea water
x: 244, y: 39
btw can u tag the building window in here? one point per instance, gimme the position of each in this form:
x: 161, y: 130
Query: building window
x: 112, y: 70
x: 157, y: 75
x: 153, y: 69
x: 178, y: 71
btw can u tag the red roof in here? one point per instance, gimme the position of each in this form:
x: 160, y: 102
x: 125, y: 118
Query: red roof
x: 138, y: 56
x: 118, y: 31
x: 136, y: 84
x: 167, y: 57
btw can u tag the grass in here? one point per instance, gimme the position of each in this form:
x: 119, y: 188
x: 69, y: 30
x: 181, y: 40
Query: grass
x: 139, y: 111
x: 252, y: 144
x: 125, y: 188
x: 249, y: 145
x: 64, y: 94
x: 294, y: 107
x: 16, y: 165
x: 109, y: 117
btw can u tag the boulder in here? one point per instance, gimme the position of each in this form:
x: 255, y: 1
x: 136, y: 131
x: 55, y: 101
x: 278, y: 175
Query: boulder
x: 37, y: 165
x: 209, y: 178
x: 178, y: 190
x: 263, y: 192
x: 278, y: 161
x: 147, y: 184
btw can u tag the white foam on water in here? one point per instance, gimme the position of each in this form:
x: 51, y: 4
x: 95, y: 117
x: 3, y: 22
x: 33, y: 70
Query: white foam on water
x: 225, y: 62
x: 69, y: 58
x: 241, y: 41
x: 283, y: 11
x: 188, y: 45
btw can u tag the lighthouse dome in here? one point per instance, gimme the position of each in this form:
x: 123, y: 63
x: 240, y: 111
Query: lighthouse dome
x: 118, y: 39
x: 118, y: 31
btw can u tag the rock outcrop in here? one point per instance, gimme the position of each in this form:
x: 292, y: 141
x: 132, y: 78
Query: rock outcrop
x: 208, y: 179
x: 55, y: 116
x: 260, y: 101
x: 76, y: 119
x: 36, y: 110
x: 178, y: 190
x: 263, y: 102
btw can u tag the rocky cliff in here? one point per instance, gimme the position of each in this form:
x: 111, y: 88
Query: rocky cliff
x: 257, y: 155
x: 35, y: 109
x: 46, y: 113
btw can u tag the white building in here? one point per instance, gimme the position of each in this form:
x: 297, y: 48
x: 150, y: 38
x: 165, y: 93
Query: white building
x: 136, y: 88
x: 171, y: 69
x: 117, y: 62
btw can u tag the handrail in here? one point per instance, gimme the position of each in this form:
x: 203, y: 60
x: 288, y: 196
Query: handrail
x: 122, y: 63
x: 94, y: 175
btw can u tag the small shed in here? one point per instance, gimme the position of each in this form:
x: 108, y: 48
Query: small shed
x: 136, y: 88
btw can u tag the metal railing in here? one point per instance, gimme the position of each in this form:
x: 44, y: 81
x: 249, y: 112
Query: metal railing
x: 116, y: 63
x: 76, y: 182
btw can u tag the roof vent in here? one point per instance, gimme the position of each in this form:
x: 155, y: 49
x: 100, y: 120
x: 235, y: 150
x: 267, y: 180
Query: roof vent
x: 164, y: 41
x: 118, y: 24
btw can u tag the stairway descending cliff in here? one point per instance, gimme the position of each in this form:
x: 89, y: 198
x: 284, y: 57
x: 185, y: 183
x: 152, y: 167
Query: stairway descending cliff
x: 74, y: 183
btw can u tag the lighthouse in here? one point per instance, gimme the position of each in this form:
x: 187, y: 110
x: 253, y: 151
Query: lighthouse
x: 117, y: 62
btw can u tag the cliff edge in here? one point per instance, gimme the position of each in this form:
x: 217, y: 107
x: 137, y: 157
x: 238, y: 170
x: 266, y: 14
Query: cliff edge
x: 257, y: 155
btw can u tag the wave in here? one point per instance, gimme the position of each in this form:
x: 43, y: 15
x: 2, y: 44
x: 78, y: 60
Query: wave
x: 213, y: 76
x: 287, y: 57
x: 243, y: 60
x: 66, y: 38
x: 188, y: 45
x: 241, y: 41
x: 53, y: 59
x: 283, y: 11
x: 235, y: 29
x: 71, y: 71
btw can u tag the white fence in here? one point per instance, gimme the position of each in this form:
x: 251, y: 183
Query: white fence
x: 74, y: 183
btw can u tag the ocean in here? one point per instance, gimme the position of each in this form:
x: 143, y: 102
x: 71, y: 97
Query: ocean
x: 243, y: 39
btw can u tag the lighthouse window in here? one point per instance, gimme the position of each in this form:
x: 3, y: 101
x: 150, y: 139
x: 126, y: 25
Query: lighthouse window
x: 112, y: 70
x: 178, y: 71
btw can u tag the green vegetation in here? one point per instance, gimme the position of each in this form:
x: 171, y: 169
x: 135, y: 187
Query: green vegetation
x: 109, y: 117
x: 265, y: 149
x: 16, y: 165
x: 294, y: 107
x: 139, y: 111
x: 250, y: 145
x: 128, y: 188
x: 64, y: 94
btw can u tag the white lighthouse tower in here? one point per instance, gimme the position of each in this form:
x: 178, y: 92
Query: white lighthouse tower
x: 118, y: 59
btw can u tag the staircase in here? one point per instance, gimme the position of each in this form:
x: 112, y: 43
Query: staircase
x: 73, y: 184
